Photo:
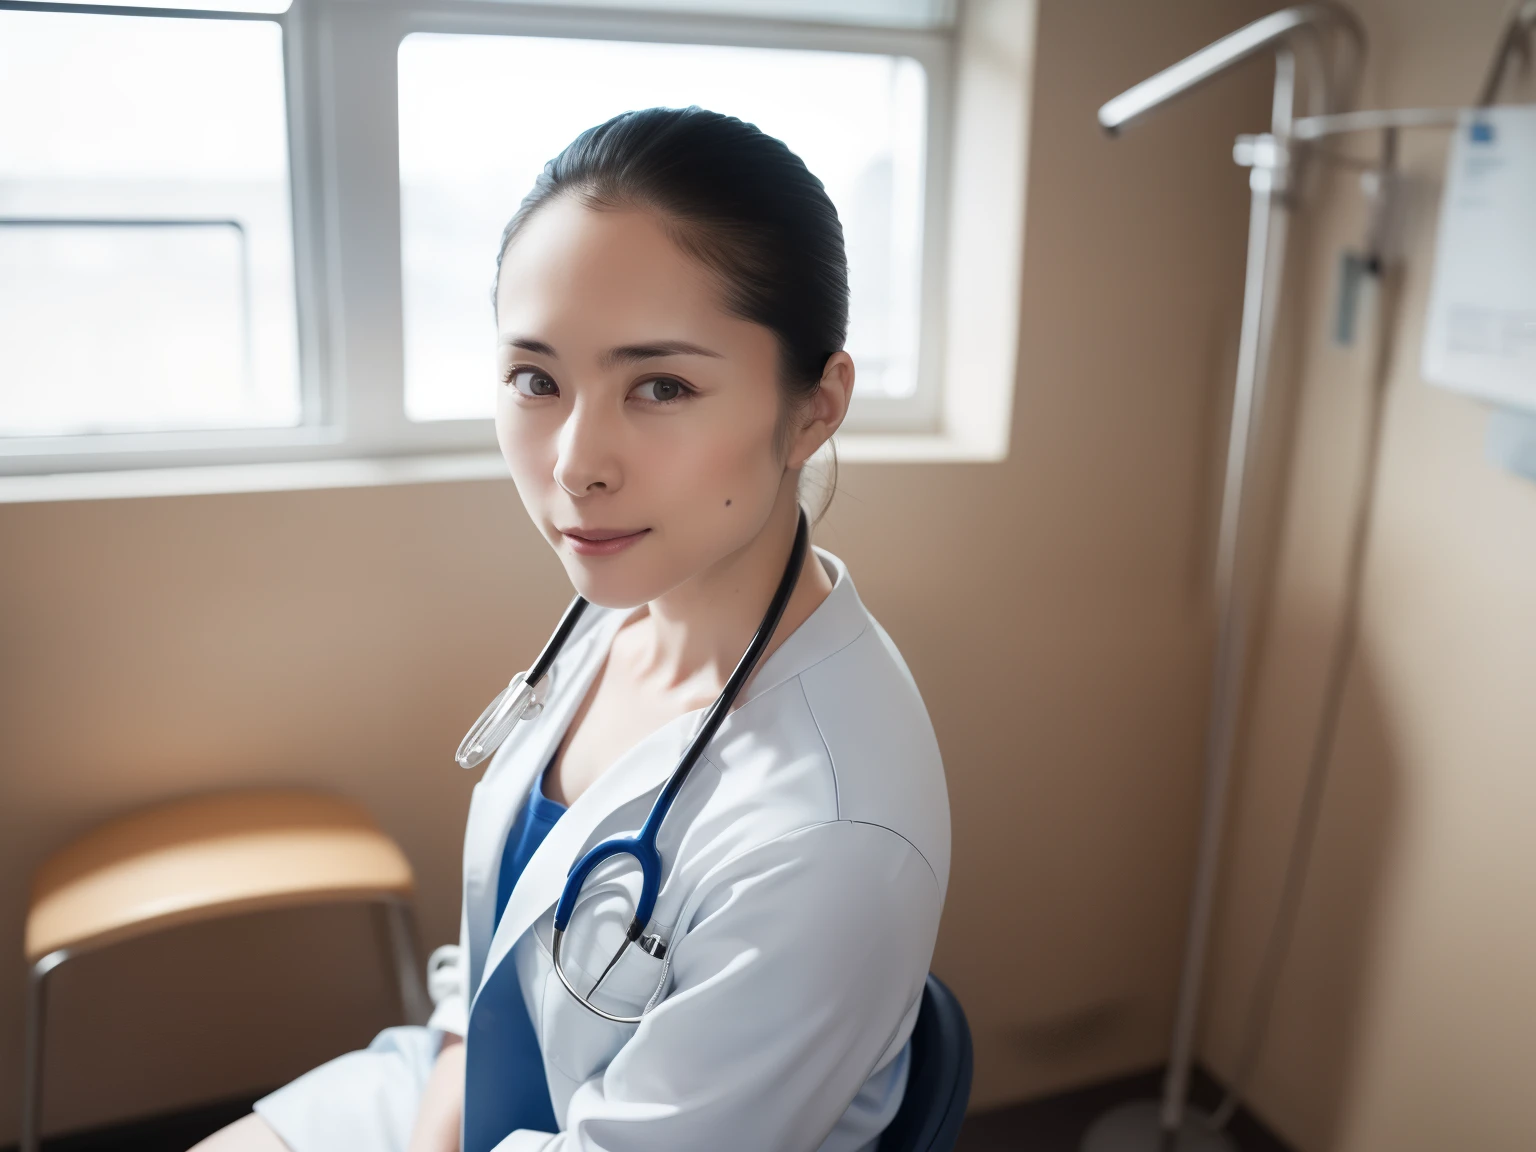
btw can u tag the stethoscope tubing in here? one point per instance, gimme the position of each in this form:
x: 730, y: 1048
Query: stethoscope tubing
x: 556, y: 642
x: 484, y: 737
x: 645, y: 840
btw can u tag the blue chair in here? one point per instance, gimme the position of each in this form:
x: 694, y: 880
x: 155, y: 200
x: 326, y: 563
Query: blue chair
x: 939, y: 1082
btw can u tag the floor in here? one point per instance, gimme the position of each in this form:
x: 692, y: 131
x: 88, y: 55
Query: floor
x: 1052, y: 1124
x: 1057, y: 1123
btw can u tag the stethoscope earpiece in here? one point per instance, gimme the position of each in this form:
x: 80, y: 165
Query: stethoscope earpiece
x: 515, y: 702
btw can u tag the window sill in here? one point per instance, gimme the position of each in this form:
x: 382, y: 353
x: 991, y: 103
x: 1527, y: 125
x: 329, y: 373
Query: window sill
x: 919, y: 448
x: 284, y: 476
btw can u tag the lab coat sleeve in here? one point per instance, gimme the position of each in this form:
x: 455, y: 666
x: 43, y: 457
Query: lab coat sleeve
x: 792, y: 981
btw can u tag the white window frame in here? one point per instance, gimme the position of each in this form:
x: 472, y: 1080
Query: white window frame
x: 317, y: 434
x: 341, y: 87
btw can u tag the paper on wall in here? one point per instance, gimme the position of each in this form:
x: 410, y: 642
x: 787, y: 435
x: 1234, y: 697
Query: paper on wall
x: 1480, y: 332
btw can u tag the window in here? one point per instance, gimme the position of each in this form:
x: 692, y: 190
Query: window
x: 264, y: 231
x: 145, y: 237
x: 470, y: 148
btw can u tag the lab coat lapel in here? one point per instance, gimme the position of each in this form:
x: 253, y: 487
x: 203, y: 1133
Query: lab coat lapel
x: 496, y: 801
x: 644, y: 768
x: 510, y: 776
x: 837, y: 622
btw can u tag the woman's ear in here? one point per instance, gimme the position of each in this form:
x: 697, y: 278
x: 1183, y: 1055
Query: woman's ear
x: 824, y: 409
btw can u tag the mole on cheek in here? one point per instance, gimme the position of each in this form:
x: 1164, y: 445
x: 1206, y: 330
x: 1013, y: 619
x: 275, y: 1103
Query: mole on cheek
x: 727, y: 503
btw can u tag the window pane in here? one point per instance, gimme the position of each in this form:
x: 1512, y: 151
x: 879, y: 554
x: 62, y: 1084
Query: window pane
x: 146, y: 251
x: 470, y: 148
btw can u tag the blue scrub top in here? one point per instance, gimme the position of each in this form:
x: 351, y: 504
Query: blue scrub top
x: 501, y: 1036
x: 534, y: 820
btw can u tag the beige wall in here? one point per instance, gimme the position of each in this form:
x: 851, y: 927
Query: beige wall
x: 1054, y: 609
x: 1407, y: 1017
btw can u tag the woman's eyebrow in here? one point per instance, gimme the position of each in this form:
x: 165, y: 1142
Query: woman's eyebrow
x: 528, y: 344
x: 623, y: 354
x: 633, y: 353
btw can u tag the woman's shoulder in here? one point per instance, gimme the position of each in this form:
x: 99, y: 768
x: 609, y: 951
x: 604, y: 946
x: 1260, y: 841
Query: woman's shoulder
x: 841, y: 734
x: 880, y: 744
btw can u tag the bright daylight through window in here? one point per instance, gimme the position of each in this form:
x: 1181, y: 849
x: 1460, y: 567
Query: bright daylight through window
x: 479, y: 116
x: 246, y: 233
x: 146, y: 249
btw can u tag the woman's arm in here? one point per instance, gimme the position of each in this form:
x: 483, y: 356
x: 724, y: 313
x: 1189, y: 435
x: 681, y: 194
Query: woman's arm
x: 793, y: 979
x: 442, y: 1101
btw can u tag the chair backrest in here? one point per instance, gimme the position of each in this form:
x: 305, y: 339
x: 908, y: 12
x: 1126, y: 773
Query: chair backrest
x: 939, y: 1080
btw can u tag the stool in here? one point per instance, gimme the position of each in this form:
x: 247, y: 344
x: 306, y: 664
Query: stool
x: 198, y: 859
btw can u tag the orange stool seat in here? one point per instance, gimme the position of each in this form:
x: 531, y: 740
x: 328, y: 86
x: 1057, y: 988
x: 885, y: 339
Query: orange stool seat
x: 203, y: 858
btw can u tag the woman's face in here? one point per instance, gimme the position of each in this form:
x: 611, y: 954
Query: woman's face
x: 632, y: 403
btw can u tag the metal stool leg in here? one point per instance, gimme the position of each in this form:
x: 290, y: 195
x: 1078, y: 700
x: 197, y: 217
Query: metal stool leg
x: 410, y: 979
x: 32, y: 1069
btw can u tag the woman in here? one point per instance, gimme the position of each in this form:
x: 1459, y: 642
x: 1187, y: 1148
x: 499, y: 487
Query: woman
x: 671, y: 303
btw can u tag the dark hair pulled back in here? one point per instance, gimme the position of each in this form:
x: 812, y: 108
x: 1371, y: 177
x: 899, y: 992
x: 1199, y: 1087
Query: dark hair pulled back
x: 733, y: 198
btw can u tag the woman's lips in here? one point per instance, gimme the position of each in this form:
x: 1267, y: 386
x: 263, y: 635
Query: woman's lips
x: 608, y: 546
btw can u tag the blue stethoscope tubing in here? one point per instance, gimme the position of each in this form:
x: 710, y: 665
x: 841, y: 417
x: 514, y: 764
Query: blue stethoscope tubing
x: 642, y: 846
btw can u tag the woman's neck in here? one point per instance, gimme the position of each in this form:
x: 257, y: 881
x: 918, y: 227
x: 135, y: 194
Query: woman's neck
x: 691, y: 638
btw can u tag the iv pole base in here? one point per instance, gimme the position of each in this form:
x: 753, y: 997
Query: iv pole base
x: 1137, y: 1127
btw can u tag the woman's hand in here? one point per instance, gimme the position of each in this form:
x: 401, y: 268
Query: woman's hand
x: 442, y: 1101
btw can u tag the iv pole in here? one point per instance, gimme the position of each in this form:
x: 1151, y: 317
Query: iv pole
x: 1312, y: 32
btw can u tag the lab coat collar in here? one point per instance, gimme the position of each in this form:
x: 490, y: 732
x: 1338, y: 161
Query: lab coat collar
x: 835, y: 623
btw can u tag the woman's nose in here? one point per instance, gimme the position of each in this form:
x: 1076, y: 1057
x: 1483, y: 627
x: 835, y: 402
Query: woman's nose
x: 587, y: 458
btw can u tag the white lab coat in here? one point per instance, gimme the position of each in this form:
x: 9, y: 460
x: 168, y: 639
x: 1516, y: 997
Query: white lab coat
x: 805, y: 865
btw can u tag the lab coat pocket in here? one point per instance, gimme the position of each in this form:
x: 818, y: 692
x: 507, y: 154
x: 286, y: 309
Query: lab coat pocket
x: 576, y: 1040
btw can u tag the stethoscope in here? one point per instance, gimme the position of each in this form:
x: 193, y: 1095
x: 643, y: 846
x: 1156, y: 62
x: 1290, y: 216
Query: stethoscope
x: 519, y: 700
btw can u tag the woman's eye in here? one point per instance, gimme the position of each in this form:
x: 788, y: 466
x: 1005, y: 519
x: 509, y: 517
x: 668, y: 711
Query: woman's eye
x: 532, y: 382
x: 662, y: 389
